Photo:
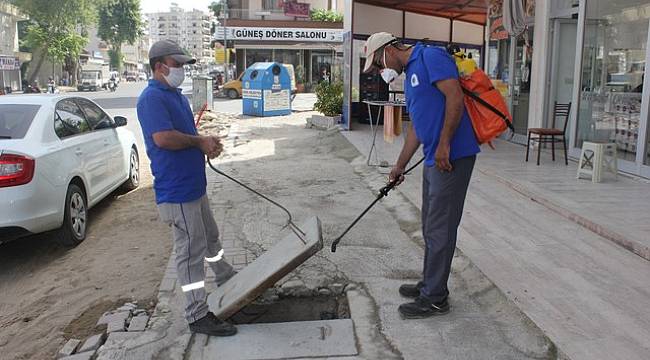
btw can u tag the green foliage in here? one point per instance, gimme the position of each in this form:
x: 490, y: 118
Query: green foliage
x: 119, y: 22
x: 325, y: 15
x: 57, y: 27
x: 217, y: 7
x: 329, y: 98
x: 57, y: 46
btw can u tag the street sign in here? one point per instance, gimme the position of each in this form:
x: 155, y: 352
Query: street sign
x: 9, y: 63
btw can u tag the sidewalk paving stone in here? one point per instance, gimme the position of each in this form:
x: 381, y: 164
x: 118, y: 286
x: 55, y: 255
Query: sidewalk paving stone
x: 69, y: 348
x: 290, y: 340
x: 93, y: 343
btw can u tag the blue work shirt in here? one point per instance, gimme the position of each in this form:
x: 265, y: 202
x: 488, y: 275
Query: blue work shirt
x: 426, y: 103
x: 179, y: 175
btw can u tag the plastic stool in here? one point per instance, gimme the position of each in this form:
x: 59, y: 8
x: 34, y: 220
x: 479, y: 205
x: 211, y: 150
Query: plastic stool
x: 594, y: 157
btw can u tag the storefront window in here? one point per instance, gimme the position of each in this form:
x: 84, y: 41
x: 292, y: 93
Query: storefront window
x: 321, y: 66
x: 258, y: 55
x: 286, y: 56
x: 564, y: 4
x: 613, y: 67
x: 499, y: 66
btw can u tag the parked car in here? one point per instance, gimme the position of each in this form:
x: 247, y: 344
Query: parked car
x: 232, y: 88
x: 59, y: 156
x: 142, y: 76
x: 131, y: 77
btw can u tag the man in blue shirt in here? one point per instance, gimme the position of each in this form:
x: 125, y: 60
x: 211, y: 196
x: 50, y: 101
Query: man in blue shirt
x: 441, y: 125
x: 177, y: 156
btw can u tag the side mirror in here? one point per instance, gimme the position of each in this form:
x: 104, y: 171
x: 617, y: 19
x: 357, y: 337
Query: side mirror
x: 119, y: 121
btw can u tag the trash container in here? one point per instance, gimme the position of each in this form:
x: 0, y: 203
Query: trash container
x: 202, y: 93
x: 266, y: 90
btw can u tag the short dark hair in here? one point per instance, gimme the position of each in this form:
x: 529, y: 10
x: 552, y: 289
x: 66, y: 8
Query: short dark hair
x: 154, y: 61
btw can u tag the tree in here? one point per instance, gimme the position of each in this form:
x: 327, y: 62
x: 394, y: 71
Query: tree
x: 56, y: 29
x: 119, y: 22
x: 217, y: 7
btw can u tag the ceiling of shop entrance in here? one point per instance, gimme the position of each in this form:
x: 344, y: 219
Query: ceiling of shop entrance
x: 474, y: 11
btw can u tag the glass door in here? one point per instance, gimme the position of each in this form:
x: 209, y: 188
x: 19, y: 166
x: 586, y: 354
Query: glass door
x: 564, y: 37
x: 612, y: 77
x: 520, y: 84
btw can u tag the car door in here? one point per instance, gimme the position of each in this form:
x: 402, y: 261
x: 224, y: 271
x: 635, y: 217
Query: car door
x: 82, y: 145
x: 112, y: 150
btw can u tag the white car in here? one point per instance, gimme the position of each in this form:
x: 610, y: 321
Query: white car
x: 59, y: 156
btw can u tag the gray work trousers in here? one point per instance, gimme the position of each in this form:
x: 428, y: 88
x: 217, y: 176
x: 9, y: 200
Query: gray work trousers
x: 196, y: 238
x: 443, y: 198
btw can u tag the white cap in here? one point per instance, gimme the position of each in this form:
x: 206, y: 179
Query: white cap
x: 375, y: 42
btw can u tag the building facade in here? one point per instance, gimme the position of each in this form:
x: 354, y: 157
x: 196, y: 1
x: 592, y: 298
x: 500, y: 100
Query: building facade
x: 270, y: 30
x: 190, y: 29
x: 592, y: 54
x: 10, y: 56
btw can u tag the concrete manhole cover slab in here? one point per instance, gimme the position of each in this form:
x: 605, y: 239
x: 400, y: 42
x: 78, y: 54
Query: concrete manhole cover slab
x: 289, y: 340
x: 266, y: 270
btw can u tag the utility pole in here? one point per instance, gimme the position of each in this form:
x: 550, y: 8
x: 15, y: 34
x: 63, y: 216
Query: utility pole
x: 225, y: 42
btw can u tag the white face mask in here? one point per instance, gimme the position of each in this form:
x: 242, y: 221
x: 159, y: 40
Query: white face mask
x: 389, y: 75
x: 176, y: 76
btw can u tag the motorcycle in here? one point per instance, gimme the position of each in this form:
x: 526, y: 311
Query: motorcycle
x: 112, y: 85
x: 31, y: 89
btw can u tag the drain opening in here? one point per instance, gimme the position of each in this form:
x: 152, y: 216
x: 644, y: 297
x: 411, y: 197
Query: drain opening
x: 290, y: 309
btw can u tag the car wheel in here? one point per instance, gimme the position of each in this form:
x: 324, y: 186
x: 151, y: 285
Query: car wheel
x: 75, y: 218
x: 134, y: 171
x: 233, y: 94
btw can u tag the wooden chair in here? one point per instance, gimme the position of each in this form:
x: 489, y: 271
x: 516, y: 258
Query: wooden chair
x: 551, y: 135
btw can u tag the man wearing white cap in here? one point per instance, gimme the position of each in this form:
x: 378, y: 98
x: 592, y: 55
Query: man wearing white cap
x: 177, y: 154
x: 440, y: 124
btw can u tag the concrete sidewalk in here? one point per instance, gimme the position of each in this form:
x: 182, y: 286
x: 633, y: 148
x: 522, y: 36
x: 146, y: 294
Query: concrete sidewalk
x: 320, y: 173
x: 571, y: 254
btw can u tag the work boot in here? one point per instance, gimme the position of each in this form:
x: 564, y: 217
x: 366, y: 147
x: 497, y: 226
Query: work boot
x: 411, y: 290
x: 224, y: 279
x: 423, y: 308
x: 213, y: 326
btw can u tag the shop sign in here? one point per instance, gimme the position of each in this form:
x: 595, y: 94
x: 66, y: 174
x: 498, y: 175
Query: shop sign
x: 281, y: 34
x: 9, y: 63
x: 296, y: 9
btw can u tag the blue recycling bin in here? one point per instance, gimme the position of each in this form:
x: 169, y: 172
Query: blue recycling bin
x: 266, y: 90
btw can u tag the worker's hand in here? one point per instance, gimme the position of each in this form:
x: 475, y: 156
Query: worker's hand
x: 396, y: 174
x: 442, y: 157
x: 211, y: 146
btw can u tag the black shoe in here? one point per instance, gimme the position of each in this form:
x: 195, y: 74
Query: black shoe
x: 225, y: 279
x: 411, y: 290
x: 423, y: 308
x: 211, y: 325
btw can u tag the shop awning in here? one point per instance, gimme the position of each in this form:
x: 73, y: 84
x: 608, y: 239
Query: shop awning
x: 473, y: 11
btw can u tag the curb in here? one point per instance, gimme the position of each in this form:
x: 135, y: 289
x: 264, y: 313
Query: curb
x: 630, y: 245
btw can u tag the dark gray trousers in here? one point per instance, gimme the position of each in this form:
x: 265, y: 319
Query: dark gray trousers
x: 443, y: 197
x: 196, y: 238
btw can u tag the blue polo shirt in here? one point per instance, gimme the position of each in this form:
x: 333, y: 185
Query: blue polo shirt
x: 426, y: 104
x: 179, y: 175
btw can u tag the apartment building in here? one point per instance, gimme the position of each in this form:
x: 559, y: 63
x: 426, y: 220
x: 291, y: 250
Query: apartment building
x: 191, y: 29
x: 10, y: 57
x: 282, y: 31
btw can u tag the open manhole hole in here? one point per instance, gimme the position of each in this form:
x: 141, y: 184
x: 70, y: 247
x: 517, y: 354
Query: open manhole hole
x: 291, y: 309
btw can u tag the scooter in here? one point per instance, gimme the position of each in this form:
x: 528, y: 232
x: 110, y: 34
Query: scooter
x: 112, y: 85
